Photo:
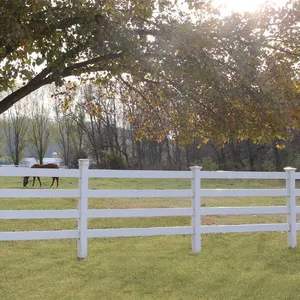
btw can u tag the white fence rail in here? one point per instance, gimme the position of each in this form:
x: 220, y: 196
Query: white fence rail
x: 13, y: 166
x: 83, y: 193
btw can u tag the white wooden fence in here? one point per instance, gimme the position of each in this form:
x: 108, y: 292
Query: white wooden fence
x: 83, y: 193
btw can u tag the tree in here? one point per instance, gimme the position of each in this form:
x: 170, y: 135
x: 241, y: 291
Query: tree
x: 70, y: 37
x: 228, y: 78
x: 65, y: 135
x: 97, y: 113
x: 39, y: 131
x: 15, y: 128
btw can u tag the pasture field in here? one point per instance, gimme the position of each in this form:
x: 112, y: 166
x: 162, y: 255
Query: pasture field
x: 230, y: 266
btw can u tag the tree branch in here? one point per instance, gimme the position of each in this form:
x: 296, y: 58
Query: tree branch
x: 44, y: 78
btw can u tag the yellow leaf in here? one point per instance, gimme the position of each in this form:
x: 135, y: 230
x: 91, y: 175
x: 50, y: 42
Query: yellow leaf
x: 280, y: 146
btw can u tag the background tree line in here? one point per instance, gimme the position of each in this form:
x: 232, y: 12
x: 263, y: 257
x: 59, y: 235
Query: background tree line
x: 96, y: 125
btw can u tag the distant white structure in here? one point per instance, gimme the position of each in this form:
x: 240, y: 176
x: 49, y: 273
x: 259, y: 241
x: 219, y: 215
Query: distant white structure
x: 55, y: 155
x: 28, y: 162
x: 55, y: 159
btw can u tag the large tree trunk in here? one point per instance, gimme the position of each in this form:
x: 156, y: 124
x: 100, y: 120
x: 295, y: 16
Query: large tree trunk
x: 251, y: 155
x: 221, y: 156
x: 235, y: 150
x: 178, y: 156
x: 169, y: 157
x: 139, y: 155
x: 187, y: 156
x: 277, y: 157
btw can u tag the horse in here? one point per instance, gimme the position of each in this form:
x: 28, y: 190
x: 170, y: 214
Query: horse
x: 46, y: 166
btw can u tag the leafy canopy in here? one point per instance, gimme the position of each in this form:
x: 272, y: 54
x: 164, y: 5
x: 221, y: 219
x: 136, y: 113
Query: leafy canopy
x: 187, y: 73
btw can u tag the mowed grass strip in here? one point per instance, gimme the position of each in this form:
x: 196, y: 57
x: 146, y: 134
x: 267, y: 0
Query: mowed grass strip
x: 230, y: 266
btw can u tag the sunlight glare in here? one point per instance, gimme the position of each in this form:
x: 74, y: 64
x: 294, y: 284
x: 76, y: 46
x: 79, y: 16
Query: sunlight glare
x: 244, y: 5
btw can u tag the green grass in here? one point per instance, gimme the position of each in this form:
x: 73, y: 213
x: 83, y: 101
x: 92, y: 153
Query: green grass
x: 230, y: 266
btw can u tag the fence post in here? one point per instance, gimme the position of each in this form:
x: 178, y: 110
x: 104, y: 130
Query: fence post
x: 291, y: 204
x: 82, y: 241
x: 196, y: 205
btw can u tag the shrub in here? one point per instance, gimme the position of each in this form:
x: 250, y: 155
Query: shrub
x: 114, y: 161
x: 296, y: 162
x: 269, y: 166
x: 209, y: 165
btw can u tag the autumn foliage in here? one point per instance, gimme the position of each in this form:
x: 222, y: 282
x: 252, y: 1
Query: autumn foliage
x: 183, y: 74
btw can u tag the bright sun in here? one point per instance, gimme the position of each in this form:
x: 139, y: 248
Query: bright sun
x: 244, y: 5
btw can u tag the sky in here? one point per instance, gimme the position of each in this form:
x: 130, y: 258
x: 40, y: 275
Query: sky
x: 244, y: 5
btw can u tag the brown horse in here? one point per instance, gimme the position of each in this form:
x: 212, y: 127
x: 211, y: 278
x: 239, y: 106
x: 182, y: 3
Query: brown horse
x: 37, y: 166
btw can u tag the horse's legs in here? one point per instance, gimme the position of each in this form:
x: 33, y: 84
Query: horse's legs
x: 33, y: 182
x: 53, y: 178
x: 57, y: 181
x: 39, y: 181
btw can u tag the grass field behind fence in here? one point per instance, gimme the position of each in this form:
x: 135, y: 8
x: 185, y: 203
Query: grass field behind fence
x: 230, y: 266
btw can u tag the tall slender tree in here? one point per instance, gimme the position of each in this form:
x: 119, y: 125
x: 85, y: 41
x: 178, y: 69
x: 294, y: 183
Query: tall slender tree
x: 39, y: 131
x: 15, y: 128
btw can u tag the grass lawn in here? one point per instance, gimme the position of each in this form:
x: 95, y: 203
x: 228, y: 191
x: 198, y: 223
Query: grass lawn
x: 230, y: 266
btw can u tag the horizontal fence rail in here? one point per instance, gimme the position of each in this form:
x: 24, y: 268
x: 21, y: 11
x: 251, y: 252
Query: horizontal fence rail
x: 41, y: 193
x: 15, y: 172
x: 242, y: 175
x: 126, y: 232
x: 38, y: 235
x: 245, y: 228
x: 195, y: 212
x: 261, y: 210
x: 149, y: 212
x: 140, y: 193
x: 243, y: 193
x: 38, y: 214
x: 139, y: 174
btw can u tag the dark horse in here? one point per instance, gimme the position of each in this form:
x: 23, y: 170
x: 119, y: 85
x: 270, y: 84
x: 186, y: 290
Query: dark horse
x: 37, y: 166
